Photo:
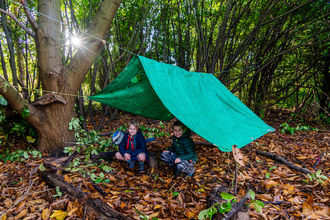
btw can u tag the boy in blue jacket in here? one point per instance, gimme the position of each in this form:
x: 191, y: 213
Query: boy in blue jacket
x: 133, y: 147
x: 182, y: 154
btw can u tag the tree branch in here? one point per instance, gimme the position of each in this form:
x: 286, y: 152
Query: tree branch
x: 18, y: 22
x: 93, y: 41
x: 28, y: 14
x: 17, y: 102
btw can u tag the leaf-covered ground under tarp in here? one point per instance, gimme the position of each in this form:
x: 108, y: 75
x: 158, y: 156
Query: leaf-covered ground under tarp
x: 287, y: 194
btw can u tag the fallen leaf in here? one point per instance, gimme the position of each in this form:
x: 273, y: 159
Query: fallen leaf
x: 59, y: 214
x: 66, y: 178
x: 295, y: 201
x: 38, y: 201
x: 238, y: 156
x: 307, y: 208
x: 72, y: 211
x: 21, y: 214
x: 45, y: 214
x: 217, y: 169
x: 153, y: 215
x: 115, y: 193
x: 157, y: 207
x: 190, y: 214
x: 8, y: 202
x: 271, y: 183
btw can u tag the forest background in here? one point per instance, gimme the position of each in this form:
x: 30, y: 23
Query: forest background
x: 272, y: 54
x: 268, y: 53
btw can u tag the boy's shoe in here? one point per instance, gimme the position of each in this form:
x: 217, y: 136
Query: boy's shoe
x: 176, y: 172
x: 131, y: 164
x: 191, y: 173
x: 141, y: 168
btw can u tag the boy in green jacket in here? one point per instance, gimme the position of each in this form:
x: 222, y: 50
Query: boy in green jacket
x: 182, y: 154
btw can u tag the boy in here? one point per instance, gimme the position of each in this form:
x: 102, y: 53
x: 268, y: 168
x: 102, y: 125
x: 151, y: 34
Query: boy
x: 133, y: 147
x: 182, y: 154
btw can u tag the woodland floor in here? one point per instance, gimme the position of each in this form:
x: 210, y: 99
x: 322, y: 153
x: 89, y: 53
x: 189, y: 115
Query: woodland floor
x: 163, y: 196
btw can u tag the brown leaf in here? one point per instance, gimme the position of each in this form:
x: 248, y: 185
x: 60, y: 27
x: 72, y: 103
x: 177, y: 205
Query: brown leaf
x: 72, y: 211
x: 8, y: 202
x: 307, y: 209
x: 295, y: 201
x: 153, y: 215
x: 157, y: 207
x: 238, y: 156
x: 45, y: 214
x: 66, y: 178
x: 21, y: 214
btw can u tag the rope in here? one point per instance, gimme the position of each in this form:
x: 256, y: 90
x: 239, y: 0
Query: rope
x: 59, y: 93
x: 319, y: 159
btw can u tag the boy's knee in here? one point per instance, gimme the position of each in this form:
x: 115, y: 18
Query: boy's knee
x: 141, y: 157
x: 118, y: 156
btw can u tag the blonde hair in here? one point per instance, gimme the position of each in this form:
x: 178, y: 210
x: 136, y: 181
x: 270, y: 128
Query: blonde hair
x: 135, y: 124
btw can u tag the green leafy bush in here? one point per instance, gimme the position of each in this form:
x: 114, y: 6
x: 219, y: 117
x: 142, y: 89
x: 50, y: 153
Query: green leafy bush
x: 291, y: 130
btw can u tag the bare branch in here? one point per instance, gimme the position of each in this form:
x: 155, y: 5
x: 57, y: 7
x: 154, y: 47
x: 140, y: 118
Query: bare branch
x: 18, y: 22
x: 28, y: 14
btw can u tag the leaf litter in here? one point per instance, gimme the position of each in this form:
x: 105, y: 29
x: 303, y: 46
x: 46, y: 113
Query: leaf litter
x: 287, y: 194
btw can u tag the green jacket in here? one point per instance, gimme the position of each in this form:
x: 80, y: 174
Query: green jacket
x: 184, y: 147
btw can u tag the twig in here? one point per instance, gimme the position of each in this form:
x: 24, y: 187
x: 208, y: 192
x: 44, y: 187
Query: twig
x: 283, y: 161
x: 172, y: 186
x: 25, y: 194
x: 235, y: 189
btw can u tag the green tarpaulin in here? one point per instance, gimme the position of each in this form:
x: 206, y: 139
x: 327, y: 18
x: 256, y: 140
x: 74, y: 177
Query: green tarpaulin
x: 162, y: 91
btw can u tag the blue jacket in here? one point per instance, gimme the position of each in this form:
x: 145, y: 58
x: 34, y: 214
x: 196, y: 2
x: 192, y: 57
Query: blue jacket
x: 140, y: 146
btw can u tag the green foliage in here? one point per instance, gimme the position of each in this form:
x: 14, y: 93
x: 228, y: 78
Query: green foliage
x: 105, y: 168
x: 153, y: 132
x: 58, y: 192
x: 144, y: 216
x: 97, y: 179
x: 270, y: 169
x: 84, y: 138
x: 291, y: 130
x: 258, y: 205
x: 20, y: 128
x: 41, y: 167
x: 316, y: 177
x: 221, y: 208
x: 25, y: 112
x: 19, y: 155
x: 323, y: 117
x: 227, y: 206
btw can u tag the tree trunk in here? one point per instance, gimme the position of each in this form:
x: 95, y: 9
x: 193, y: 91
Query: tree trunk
x: 52, y: 119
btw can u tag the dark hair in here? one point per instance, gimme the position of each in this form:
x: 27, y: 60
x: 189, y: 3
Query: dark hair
x: 179, y: 123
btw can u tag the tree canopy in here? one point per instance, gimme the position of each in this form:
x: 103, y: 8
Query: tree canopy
x: 268, y: 53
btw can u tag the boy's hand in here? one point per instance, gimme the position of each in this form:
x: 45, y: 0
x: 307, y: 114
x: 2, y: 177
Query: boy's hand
x: 177, y: 160
x: 127, y: 156
x: 165, y: 151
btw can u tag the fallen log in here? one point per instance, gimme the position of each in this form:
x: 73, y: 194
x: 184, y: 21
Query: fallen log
x: 95, y: 208
x: 283, y: 161
x: 238, y: 211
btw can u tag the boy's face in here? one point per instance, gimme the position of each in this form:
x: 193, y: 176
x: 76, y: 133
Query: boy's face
x: 177, y: 131
x: 132, y: 130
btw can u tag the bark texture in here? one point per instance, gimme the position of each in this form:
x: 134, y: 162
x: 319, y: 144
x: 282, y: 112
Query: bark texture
x: 52, y: 119
x: 95, y: 208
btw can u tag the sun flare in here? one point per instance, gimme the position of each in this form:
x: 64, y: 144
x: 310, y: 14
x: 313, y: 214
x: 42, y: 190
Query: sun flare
x: 75, y: 41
